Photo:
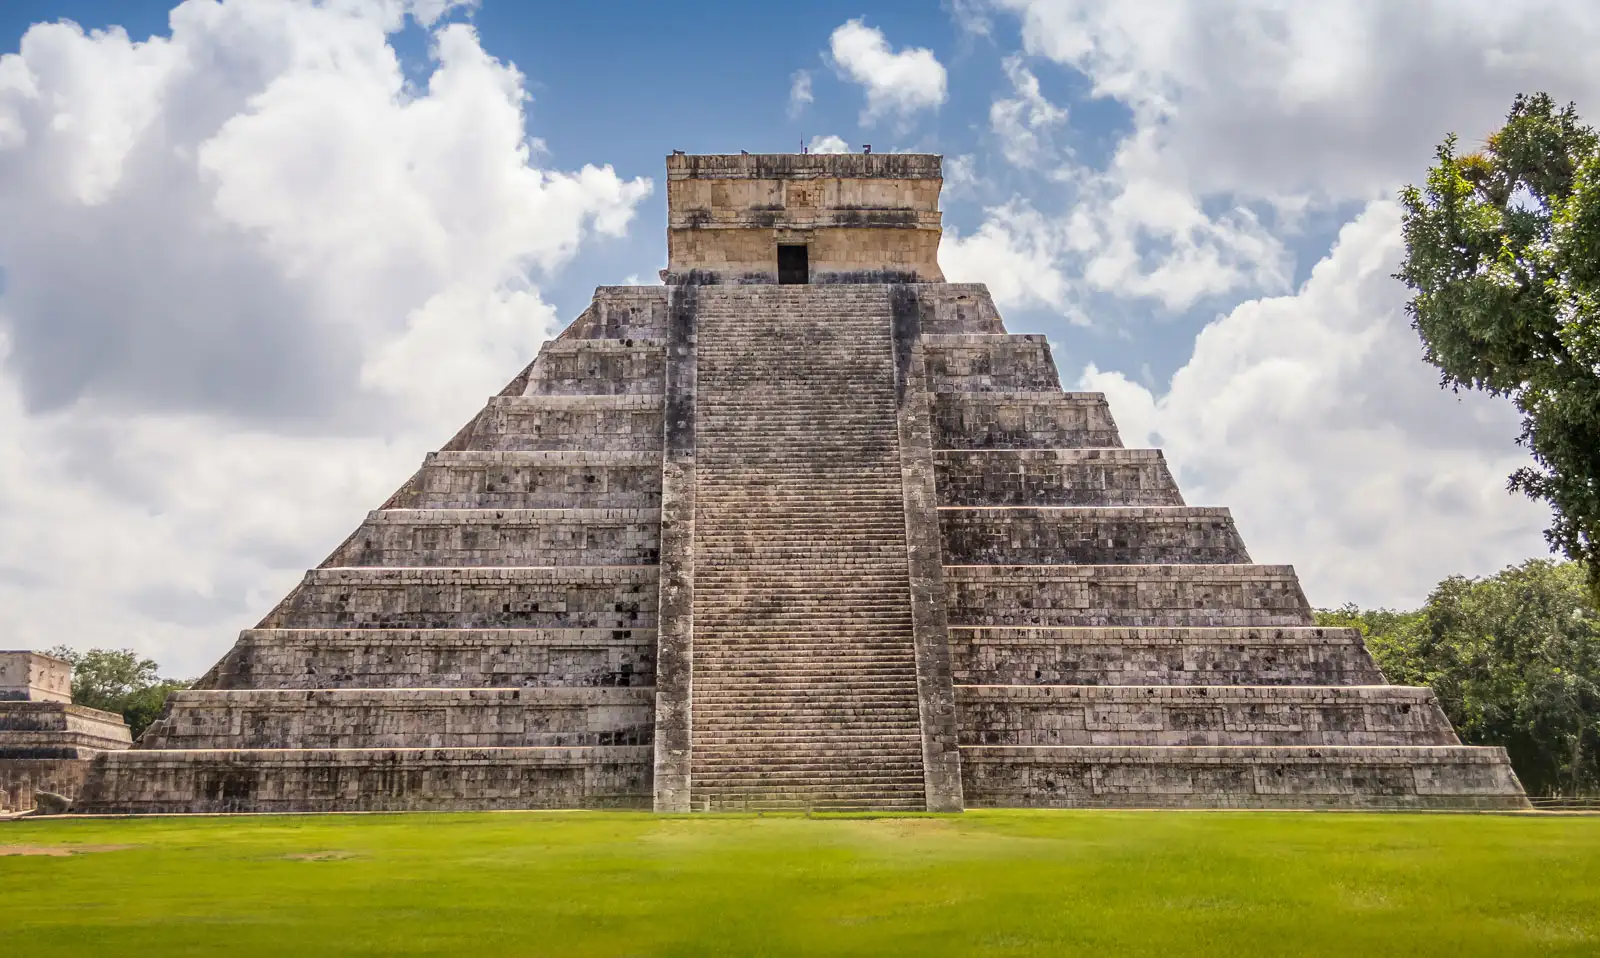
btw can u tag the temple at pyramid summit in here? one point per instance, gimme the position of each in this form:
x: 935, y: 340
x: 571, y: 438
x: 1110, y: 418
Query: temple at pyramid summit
x: 802, y: 528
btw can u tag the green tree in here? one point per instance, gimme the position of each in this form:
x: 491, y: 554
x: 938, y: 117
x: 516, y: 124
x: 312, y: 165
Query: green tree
x: 118, y: 680
x: 1515, y: 661
x: 1503, y: 257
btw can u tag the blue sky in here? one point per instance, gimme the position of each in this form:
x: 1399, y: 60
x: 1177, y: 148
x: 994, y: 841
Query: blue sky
x: 250, y: 271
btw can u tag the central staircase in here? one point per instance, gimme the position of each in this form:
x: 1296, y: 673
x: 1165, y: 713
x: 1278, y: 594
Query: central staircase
x: 804, y: 684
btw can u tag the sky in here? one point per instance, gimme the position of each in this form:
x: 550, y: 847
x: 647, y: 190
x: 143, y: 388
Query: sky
x: 258, y: 256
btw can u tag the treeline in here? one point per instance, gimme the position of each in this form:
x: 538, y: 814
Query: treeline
x: 118, y: 680
x: 1515, y: 661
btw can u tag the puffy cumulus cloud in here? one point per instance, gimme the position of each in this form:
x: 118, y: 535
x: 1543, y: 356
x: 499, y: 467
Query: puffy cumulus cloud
x: 1312, y: 416
x: 250, y: 275
x: 828, y: 144
x: 1244, y: 114
x: 898, y: 83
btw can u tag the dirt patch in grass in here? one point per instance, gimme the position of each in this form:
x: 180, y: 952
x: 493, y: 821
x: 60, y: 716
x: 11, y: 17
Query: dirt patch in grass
x: 322, y: 857
x: 59, y: 851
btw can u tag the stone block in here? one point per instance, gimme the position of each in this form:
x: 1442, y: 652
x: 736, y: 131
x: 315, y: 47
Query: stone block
x: 404, y: 718
x: 149, y: 781
x: 503, y: 537
x: 587, y: 597
x: 536, y: 480
x: 1054, y: 477
x: 612, y: 423
x: 1388, y: 777
x: 1064, y: 535
x: 587, y: 367
x: 1003, y: 362
x: 1161, y: 656
x: 1023, y: 420
x: 1200, y: 715
x: 1126, y: 595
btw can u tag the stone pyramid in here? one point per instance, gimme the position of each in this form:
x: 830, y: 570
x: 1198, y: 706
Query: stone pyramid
x: 804, y: 527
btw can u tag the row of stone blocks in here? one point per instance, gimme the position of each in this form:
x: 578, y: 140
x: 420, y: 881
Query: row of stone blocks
x: 399, y: 718
x: 1020, y: 535
x: 477, y: 479
x: 1201, y: 715
x: 150, y: 781
x: 1377, y: 777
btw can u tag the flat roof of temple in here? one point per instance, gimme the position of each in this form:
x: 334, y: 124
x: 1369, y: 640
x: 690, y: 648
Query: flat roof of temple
x: 804, y: 165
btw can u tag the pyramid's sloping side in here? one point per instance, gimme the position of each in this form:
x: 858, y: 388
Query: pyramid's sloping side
x: 1113, y: 646
x: 485, y: 639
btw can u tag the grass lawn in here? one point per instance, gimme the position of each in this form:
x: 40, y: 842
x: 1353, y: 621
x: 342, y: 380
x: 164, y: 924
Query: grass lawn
x: 985, y: 883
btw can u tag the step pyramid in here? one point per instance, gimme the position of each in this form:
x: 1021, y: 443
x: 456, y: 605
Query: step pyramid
x: 841, y: 544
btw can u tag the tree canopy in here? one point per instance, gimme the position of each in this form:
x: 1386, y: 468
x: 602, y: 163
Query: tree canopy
x: 118, y: 680
x: 1503, y: 256
x: 1515, y: 661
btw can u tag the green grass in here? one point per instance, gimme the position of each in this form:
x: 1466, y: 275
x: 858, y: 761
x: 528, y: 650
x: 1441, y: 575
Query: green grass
x: 989, y: 883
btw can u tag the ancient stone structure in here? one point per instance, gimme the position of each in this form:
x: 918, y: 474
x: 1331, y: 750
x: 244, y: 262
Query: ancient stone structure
x: 804, y: 527
x: 46, y: 742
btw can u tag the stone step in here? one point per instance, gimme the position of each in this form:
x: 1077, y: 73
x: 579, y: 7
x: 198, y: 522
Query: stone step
x: 404, y: 718
x: 619, y: 597
x: 1323, y: 776
x: 1023, y: 420
x: 481, y: 479
x: 503, y: 537
x: 1306, y: 655
x: 1200, y: 715
x: 437, y: 658
x: 1054, y: 477
x: 598, y: 366
x: 612, y: 423
x: 1145, y: 595
x: 990, y: 363
x: 1051, y: 535
x: 158, y: 781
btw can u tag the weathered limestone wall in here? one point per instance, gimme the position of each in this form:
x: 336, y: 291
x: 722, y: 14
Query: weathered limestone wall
x: 332, y: 780
x: 45, y: 746
x: 405, y: 718
x: 1161, y: 656
x: 980, y: 362
x: 535, y: 480
x: 615, y: 423
x: 1046, y: 535
x: 439, y: 658
x: 607, y: 367
x: 1023, y: 420
x: 1055, y: 477
x: 32, y: 677
x: 863, y: 218
x: 586, y: 597
x: 1127, y: 595
x: 1201, y: 715
x: 1239, y: 777
x: 503, y: 537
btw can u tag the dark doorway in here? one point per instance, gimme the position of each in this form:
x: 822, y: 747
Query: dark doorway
x: 793, y: 267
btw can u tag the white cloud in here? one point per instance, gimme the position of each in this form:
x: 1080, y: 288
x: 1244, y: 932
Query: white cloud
x: 899, y: 83
x: 828, y: 144
x: 1314, y: 418
x: 799, y: 92
x: 251, y: 275
x: 1011, y: 252
x: 1024, y: 122
x: 1246, y: 114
